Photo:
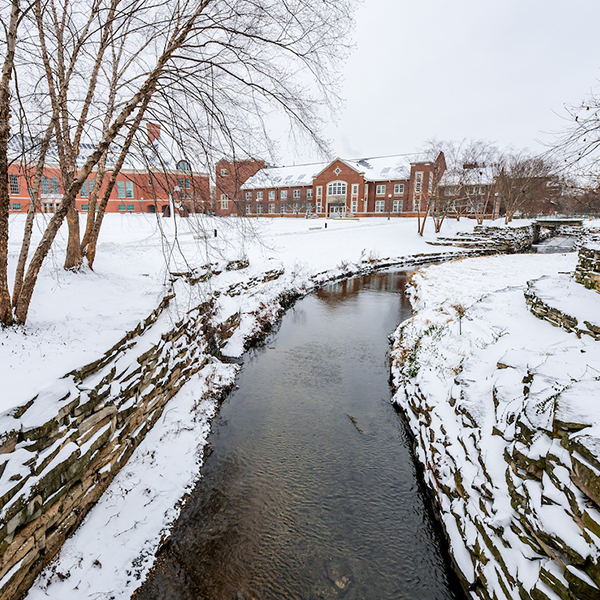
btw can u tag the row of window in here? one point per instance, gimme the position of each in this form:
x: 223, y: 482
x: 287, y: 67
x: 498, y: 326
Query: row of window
x: 336, y: 188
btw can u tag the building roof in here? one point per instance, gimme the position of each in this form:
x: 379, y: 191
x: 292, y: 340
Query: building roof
x: 381, y: 168
x: 297, y: 175
x: 384, y: 168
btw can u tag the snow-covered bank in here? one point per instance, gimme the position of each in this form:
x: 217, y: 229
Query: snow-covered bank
x: 63, y: 448
x: 506, y: 428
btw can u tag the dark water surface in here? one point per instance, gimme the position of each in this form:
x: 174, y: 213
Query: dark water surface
x: 298, y: 500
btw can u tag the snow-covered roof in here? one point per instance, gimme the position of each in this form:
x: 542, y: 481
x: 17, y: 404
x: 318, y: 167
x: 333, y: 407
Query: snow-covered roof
x: 382, y: 168
x: 284, y: 176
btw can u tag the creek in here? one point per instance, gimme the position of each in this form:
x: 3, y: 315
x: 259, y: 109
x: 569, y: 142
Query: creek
x: 311, y: 490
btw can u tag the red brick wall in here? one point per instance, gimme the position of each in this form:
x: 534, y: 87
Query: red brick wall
x: 229, y: 178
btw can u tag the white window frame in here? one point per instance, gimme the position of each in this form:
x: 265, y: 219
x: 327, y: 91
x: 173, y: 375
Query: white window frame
x: 259, y: 209
x: 398, y: 188
x: 259, y: 195
x: 223, y: 172
x: 419, y: 182
x: 337, y: 188
x: 248, y: 209
x: 397, y: 206
x: 319, y: 192
x: 309, y: 193
x: 296, y: 193
x: 380, y: 190
x: 319, y: 207
x: 284, y: 194
x: 224, y: 202
x: 248, y: 195
x: 271, y: 209
x: 379, y: 206
x: 355, y: 189
x: 354, y: 206
x: 271, y: 194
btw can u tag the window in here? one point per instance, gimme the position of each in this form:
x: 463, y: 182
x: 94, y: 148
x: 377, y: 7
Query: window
x: 296, y: 207
x: 354, y: 206
x: 129, y: 186
x: 14, y: 184
x: 283, y: 209
x: 224, y: 201
x: 272, y: 195
x: 283, y: 194
x: 83, y: 192
x: 418, y: 182
x: 430, y: 182
x: 150, y: 181
x: 380, y: 190
x: 259, y: 195
x: 121, y: 190
x: 188, y: 184
x: 309, y: 193
x: 319, y: 207
x: 397, y: 206
x: 45, y: 186
x: 379, y: 206
x: 54, y: 185
x: 271, y: 209
x: 183, y: 165
x: 122, y: 208
x: 319, y: 192
x: 355, y: 189
x: 399, y: 188
x: 309, y: 207
x: 16, y: 206
x: 181, y: 182
x: 296, y: 193
x: 84, y: 207
x: 337, y: 188
x: 248, y: 209
x: 223, y: 172
x: 248, y: 195
x: 259, y: 209
x: 130, y: 207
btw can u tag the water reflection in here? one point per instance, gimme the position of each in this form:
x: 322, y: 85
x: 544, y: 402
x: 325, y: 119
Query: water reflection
x: 311, y: 492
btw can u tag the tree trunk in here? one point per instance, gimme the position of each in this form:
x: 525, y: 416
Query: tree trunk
x: 6, y: 316
x: 74, y: 257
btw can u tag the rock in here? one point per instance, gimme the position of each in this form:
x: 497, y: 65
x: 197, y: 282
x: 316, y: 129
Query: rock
x: 339, y: 573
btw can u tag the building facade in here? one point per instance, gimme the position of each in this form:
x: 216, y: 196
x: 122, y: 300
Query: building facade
x: 388, y: 186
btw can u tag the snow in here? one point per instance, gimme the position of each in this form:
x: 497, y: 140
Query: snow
x: 483, y: 368
x: 75, y: 317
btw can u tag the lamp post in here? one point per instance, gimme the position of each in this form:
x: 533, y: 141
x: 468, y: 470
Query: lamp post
x: 389, y: 205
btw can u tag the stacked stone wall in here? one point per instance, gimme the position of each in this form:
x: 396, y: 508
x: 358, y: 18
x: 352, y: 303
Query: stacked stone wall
x: 54, y: 468
x: 587, y: 271
x: 492, y: 240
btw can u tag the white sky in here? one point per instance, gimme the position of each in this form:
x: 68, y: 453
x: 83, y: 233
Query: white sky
x: 499, y: 70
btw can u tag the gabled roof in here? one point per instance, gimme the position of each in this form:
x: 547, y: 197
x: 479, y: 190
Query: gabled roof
x: 381, y: 168
x: 297, y: 175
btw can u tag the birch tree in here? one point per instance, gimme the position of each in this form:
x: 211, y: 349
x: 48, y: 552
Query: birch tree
x: 208, y: 70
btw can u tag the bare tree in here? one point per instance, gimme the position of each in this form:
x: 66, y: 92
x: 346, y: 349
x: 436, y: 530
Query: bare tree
x: 206, y: 69
x: 520, y: 179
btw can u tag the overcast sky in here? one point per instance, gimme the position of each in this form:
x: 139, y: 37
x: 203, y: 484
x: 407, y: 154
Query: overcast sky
x: 500, y: 70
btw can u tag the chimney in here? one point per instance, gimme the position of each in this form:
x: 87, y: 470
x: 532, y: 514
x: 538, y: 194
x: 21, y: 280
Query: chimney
x: 153, y: 131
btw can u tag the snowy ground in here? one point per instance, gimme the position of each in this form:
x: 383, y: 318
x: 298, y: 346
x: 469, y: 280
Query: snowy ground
x: 75, y: 318
x: 490, y: 392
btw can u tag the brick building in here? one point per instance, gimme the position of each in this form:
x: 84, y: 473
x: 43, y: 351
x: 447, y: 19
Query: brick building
x: 137, y: 189
x: 229, y: 178
x: 393, y: 186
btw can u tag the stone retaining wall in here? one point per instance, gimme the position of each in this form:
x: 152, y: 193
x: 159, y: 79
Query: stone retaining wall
x: 492, y: 240
x: 56, y: 465
x: 588, y: 268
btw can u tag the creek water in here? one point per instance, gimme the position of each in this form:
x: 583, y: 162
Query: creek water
x: 311, y: 491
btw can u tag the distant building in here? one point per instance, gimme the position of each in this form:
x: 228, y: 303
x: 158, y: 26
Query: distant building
x: 395, y: 186
x: 138, y: 188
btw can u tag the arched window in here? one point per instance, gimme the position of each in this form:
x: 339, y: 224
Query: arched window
x: 183, y: 165
x: 337, y: 188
